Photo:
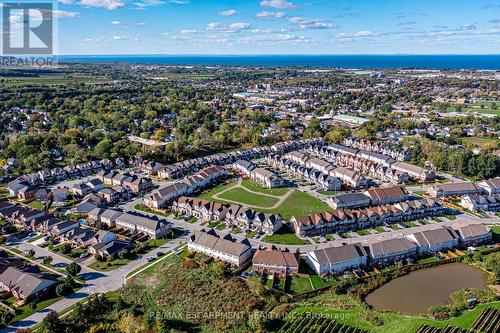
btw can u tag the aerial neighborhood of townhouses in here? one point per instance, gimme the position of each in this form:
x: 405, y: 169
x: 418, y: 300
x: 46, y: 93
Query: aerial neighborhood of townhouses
x: 296, y: 181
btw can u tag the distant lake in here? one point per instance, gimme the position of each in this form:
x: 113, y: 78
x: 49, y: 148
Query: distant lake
x: 416, y: 292
x: 490, y: 62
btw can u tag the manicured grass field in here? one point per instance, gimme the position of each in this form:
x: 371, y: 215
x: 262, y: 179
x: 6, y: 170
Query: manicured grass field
x: 279, y: 191
x: 297, y: 204
x: 300, y: 204
x: 285, y: 238
x: 149, y: 210
x: 247, y: 198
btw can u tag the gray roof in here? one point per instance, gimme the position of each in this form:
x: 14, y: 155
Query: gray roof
x: 213, y: 241
x: 338, y: 254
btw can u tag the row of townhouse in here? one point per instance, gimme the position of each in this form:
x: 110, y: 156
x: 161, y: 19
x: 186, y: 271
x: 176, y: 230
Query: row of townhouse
x: 266, y: 262
x: 349, y: 174
x: 324, y: 181
x: 379, y: 147
x: 102, y: 242
x: 342, y: 220
x: 490, y: 186
x: 35, y: 220
x: 377, y: 252
x: 369, y: 162
x: 264, y: 177
x: 480, y: 202
x: 132, y: 182
x: 137, y: 224
x: 226, y: 248
x: 25, y: 186
x: 181, y: 169
x: 232, y: 215
x: 373, y: 196
x: 161, y: 197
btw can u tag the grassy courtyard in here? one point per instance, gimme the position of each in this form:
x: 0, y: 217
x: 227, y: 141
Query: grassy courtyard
x: 285, y: 237
x: 244, y: 197
x: 298, y: 203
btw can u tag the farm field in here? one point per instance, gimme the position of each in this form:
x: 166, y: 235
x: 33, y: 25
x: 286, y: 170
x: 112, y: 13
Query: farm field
x: 48, y: 80
x: 392, y: 322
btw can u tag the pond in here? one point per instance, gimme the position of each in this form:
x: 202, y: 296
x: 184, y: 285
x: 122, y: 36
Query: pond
x: 416, y: 292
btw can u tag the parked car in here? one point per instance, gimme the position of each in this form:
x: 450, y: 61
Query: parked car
x: 84, y: 255
x: 160, y: 254
x: 150, y: 259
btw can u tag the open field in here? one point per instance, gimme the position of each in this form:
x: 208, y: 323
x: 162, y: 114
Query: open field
x: 395, y: 323
x: 480, y: 141
x: 49, y: 80
x: 247, y: 198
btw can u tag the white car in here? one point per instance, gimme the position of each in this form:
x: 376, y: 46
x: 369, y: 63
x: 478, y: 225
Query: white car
x: 84, y: 255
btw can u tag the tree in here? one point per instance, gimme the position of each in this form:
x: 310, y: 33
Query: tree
x: 52, y: 323
x: 73, y: 269
x: 103, y: 149
x: 47, y: 260
x: 65, y: 248
x: 31, y: 253
x: 337, y: 134
x: 313, y: 129
x: 63, y: 289
x: 33, y: 305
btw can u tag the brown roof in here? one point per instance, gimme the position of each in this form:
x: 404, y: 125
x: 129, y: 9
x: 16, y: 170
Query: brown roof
x: 275, y: 257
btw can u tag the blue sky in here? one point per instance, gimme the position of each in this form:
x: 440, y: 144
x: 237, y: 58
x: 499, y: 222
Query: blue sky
x: 278, y: 26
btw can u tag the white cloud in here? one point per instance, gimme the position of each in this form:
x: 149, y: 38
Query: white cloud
x: 468, y: 27
x: 305, y: 24
x: 141, y: 4
x: 279, y: 38
x: 66, y: 2
x: 119, y: 37
x: 229, y: 12
x: 233, y: 27
x: 189, y: 31
x: 366, y: 33
x: 140, y: 23
x: 179, y: 2
x: 108, y: 4
x: 266, y: 14
x: 278, y: 4
x: 115, y: 22
x: 65, y: 14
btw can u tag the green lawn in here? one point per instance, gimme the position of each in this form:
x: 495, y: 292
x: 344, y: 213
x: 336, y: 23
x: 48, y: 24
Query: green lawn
x: 299, y: 204
x: 299, y: 285
x: 409, y: 224
x: 285, y: 238
x: 36, y: 205
x: 496, y: 232
x: 427, y: 260
x: 251, y: 234
x: 244, y: 197
x: 105, y: 266
x: 450, y: 217
x: 362, y: 232
x: 279, y: 191
x: 379, y: 229
x: 479, y: 141
x: 143, y: 208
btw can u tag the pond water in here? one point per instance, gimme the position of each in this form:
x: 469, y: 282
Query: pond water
x: 416, y: 292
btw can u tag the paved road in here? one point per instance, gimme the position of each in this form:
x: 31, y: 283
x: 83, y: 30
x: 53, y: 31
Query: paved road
x: 95, y: 282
